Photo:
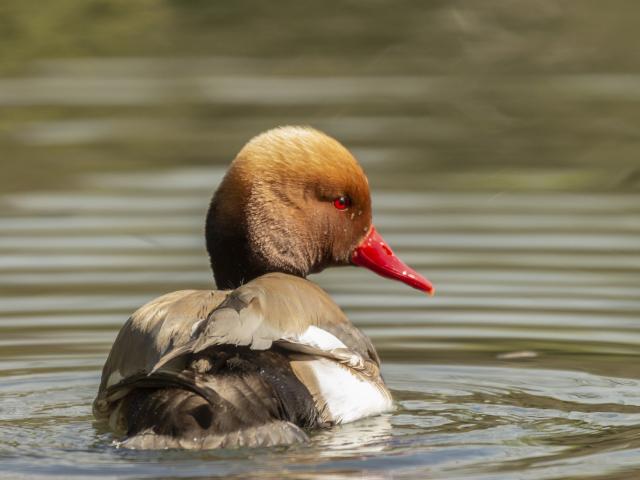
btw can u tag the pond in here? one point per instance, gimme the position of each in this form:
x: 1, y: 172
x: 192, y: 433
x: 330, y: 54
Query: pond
x: 501, y: 146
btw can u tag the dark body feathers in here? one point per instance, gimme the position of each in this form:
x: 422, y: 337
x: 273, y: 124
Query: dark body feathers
x: 228, y: 397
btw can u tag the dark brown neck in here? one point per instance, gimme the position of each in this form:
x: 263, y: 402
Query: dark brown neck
x: 233, y: 260
x: 228, y: 256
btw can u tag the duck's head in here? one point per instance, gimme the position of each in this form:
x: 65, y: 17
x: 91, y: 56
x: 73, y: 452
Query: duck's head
x: 296, y: 201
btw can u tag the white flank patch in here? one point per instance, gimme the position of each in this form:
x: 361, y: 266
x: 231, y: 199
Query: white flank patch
x: 342, y: 395
x: 313, y: 340
x: 320, y: 339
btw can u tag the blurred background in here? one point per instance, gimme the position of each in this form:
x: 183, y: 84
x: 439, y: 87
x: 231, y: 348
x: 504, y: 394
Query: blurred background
x: 492, y: 95
x: 501, y: 141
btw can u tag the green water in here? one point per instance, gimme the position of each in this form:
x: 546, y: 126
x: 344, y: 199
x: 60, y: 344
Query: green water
x: 501, y: 141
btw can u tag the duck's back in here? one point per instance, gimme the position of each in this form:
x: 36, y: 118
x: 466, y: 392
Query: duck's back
x: 248, y: 367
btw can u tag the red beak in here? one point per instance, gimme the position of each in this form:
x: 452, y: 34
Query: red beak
x: 374, y: 254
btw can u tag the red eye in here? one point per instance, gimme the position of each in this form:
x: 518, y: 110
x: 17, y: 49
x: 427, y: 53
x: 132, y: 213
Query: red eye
x: 342, y: 203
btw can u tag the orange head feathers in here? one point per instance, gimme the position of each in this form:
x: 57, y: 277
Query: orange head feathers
x: 294, y: 200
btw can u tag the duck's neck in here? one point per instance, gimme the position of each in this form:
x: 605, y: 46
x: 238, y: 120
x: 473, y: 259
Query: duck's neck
x: 234, y: 260
x: 229, y: 257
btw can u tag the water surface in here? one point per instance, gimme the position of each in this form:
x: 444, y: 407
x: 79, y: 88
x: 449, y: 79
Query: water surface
x: 501, y: 144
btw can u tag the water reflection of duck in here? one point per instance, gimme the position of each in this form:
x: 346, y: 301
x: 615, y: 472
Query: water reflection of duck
x: 253, y: 365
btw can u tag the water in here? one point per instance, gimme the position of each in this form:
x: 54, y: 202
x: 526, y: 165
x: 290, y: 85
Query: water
x: 501, y: 143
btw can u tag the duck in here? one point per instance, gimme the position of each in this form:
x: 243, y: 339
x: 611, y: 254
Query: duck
x: 268, y: 356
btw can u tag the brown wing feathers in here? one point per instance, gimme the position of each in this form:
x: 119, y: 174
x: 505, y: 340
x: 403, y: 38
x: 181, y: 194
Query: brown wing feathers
x: 272, y: 308
x: 225, y: 378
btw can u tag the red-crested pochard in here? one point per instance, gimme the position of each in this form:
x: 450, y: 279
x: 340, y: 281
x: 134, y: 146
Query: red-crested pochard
x: 271, y: 354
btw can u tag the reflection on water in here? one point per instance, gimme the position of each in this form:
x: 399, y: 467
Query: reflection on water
x: 501, y: 143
